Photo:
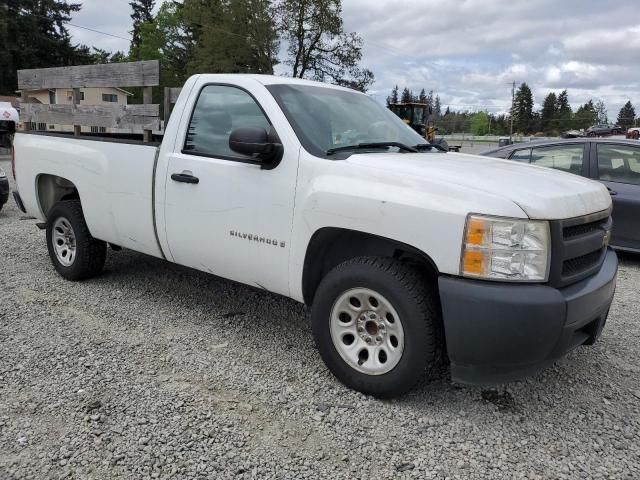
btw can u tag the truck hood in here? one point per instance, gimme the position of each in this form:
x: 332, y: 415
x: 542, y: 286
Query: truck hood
x: 542, y: 193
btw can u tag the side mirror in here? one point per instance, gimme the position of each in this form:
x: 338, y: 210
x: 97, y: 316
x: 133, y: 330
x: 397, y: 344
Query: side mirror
x: 255, y: 142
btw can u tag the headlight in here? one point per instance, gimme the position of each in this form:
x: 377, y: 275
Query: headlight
x: 2, y: 174
x: 505, y: 249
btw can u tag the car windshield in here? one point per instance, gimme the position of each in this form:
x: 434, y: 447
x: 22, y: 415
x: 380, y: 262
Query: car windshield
x: 327, y: 118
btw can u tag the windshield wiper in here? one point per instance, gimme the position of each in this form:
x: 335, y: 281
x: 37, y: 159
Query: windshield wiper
x: 365, y: 146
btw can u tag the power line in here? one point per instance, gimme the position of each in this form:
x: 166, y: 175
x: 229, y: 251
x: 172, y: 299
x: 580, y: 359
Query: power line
x: 98, y: 31
x: 66, y: 22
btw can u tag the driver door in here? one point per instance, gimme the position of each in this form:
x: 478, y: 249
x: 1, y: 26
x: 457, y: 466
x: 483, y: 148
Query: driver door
x: 223, y: 214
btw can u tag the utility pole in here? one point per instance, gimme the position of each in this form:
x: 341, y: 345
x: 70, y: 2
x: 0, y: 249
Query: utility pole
x: 513, y: 100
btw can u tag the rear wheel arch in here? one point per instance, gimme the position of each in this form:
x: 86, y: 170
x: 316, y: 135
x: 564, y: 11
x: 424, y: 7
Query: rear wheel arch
x: 51, y: 189
x: 330, y: 246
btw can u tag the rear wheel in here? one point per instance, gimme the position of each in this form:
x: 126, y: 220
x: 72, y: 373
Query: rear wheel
x: 75, y: 254
x: 635, y: 135
x: 374, y: 322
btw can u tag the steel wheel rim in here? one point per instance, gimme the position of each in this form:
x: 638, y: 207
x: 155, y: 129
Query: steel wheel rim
x: 362, y: 320
x: 64, y: 242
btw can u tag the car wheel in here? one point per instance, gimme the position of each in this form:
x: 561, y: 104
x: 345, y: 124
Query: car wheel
x: 375, y: 323
x: 75, y: 254
x: 591, y: 134
x: 635, y: 135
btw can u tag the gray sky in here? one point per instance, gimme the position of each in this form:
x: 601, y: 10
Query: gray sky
x: 468, y: 51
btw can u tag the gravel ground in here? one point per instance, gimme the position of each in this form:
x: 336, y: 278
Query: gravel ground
x: 157, y: 371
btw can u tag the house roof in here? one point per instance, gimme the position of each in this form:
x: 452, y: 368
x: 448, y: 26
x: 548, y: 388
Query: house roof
x: 14, y: 101
x: 123, y: 90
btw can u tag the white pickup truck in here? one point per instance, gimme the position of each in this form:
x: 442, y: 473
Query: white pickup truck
x: 319, y: 193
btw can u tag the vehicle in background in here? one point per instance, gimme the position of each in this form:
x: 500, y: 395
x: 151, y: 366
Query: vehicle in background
x: 8, y: 120
x: 8, y: 123
x: 4, y: 188
x: 573, y: 134
x: 604, y: 129
x: 633, y: 133
x: 419, y: 117
x: 321, y: 194
x: 615, y: 163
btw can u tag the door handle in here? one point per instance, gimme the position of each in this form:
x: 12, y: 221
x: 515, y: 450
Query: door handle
x: 612, y: 192
x: 185, y: 178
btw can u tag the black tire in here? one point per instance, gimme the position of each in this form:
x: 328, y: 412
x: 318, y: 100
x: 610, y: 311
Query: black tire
x: 416, y: 304
x: 90, y: 253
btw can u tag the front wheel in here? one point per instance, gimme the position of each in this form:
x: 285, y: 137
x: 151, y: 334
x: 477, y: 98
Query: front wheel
x: 75, y: 254
x: 374, y: 322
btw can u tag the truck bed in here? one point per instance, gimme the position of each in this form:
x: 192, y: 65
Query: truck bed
x: 114, y: 177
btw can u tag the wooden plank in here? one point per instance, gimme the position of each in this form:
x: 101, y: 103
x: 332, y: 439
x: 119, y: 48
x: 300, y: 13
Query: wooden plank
x: 109, y: 116
x: 147, y: 98
x: 25, y: 96
x: 174, y: 93
x: 166, y: 108
x: 77, y: 129
x: 170, y: 98
x: 131, y: 74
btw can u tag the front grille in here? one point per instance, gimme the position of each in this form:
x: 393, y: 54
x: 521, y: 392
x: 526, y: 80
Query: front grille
x: 584, y: 229
x: 579, y: 264
x: 578, y: 247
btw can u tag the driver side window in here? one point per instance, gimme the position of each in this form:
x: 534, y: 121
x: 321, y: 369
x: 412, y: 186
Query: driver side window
x: 220, y: 109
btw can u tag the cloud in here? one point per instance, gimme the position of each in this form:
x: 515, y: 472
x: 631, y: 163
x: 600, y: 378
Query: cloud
x: 469, y: 51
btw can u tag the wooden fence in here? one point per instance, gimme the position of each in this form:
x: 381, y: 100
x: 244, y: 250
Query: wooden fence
x: 144, y: 74
x: 170, y: 98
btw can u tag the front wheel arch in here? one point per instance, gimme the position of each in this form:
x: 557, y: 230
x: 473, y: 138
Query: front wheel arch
x: 331, y: 246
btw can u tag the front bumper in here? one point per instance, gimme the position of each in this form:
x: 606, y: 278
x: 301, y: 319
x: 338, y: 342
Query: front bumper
x: 499, y: 332
x: 4, y: 190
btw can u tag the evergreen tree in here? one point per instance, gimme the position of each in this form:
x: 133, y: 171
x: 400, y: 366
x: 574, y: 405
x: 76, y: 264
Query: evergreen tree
x: 142, y: 12
x: 103, y: 56
x: 33, y: 35
x: 422, y: 98
x: 407, y: 96
x: 393, y: 98
x: 548, y: 113
x: 563, y: 112
x: 522, y: 109
x: 627, y: 116
x: 429, y: 101
x: 437, y: 108
x: 234, y: 36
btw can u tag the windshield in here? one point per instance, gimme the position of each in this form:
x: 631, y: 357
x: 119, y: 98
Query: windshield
x: 419, y: 115
x: 328, y: 118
